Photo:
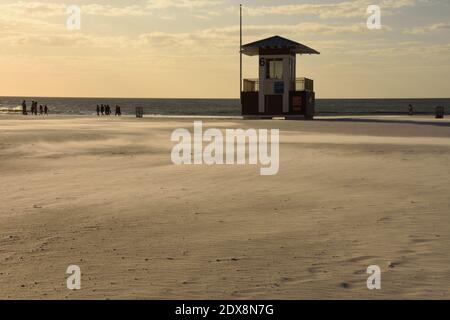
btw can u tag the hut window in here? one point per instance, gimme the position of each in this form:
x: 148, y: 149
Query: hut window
x: 274, y: 68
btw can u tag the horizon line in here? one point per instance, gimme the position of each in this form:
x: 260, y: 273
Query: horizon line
x: 205, y: 98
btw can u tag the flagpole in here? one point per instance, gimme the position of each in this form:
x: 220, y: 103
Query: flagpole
x: 240, y: 53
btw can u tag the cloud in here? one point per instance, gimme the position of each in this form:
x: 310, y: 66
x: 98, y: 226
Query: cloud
x: 306, y: 29
x: 429, y: 29
x: 225, y: 40
x: 347, y: 9
x: 71, y: 40
x: 112, y: 11
x: 198, y: 9
x: 32, y: 9
x: 42, y: 10
x: 185, y: 4
x: 48, y: 9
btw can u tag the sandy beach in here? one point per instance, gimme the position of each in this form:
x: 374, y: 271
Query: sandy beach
x: 103, y: 194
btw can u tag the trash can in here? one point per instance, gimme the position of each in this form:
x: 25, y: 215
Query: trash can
x: 310, y: 105
x: 440, y: 112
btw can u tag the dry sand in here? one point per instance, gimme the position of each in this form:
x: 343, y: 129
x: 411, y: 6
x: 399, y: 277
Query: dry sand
x: 104, y: 195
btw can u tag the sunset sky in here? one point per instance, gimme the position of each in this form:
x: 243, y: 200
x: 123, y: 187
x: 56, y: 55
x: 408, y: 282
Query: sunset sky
x: 190, y: 48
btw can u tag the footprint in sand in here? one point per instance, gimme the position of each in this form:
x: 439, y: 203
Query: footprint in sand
x: 393, y: 264
x: 421, y: 240
x: 314, y: 269
x: 360, y: 258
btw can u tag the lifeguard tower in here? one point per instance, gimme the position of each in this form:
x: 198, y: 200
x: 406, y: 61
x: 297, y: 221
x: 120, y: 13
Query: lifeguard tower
x: 277, y: 92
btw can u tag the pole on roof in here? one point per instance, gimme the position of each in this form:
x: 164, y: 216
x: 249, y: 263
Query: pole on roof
x: 240, y: 53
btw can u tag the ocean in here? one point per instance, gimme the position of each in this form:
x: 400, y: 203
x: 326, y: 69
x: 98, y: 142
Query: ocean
x: 224, y: 107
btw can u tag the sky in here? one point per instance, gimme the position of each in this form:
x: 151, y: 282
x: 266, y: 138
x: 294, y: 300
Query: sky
x: 190, y: 48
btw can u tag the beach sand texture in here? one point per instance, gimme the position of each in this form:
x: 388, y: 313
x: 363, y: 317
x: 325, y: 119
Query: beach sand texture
x: 103, y: 194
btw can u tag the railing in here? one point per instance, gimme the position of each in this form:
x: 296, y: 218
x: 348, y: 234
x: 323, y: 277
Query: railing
x: 303, y: 84
x: 251, y: 85
x: 300, y: 84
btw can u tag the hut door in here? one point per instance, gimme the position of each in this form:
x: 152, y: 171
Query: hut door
x: 274, y: 104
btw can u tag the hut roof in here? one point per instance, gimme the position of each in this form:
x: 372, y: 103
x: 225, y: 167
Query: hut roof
x: 276, y: 43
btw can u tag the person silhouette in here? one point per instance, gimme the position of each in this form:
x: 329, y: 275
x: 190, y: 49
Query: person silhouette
x: 24, y: 107
x: 102, y: 109
x: 41, y: 109
x: 410, y: 110
x: 98, y: 110
x: 46, y: 110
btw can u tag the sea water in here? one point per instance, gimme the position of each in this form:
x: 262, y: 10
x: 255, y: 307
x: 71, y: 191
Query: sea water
x: 223, y: 107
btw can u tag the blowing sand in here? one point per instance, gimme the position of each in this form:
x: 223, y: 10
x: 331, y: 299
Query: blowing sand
x: 103, y: 194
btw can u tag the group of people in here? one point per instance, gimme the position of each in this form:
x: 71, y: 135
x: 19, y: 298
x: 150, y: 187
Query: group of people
x: 43, y: 109
x: 105, y: 110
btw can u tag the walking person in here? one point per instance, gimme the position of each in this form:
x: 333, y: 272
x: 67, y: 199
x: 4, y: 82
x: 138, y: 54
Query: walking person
x: 410, y: 110
x: 24, y: 107
x: 35, y: 108
x: 41, y: 109
x: 102, y: 109
x: 118, y: 111
x: 98, y: 110
x: 46, y: 110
